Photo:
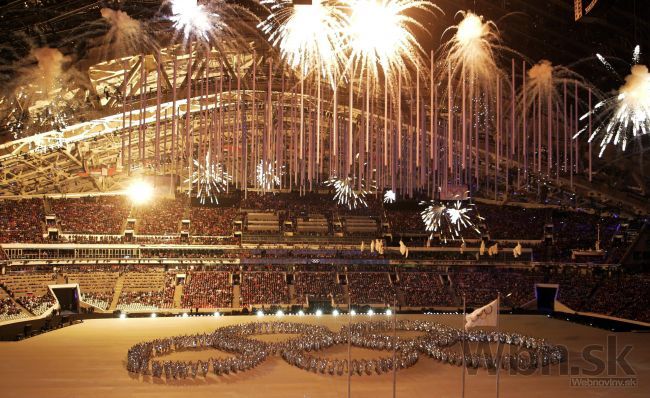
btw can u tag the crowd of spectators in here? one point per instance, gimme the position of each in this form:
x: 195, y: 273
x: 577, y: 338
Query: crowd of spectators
x: 101, y: 300
x: 147, y: 291
x: 580, y: 230
x: 575, y: 288
x: 8, y: 310
x: 514, y: 222
x: 92, y: 215
x: 480, y: 286
x: 207, y: 290
x: 371, y: 288
x: 406, y: 222
x: 424, y: 289
x: 37, y: 305
x: 318, y: 286
x: 212, y: 221
x: 159, y: 217
x: 21, y: 220
x: 264, y: 288
x: 622, y: 296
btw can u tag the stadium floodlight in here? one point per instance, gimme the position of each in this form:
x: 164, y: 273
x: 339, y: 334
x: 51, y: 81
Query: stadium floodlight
x: 335, y: 312
x: 122, y: 315
x: 353, y: 312
x: 260, y: 313
x: 389, y: 312
x: 153, y: 315
x: 301, y: 313
x: 140, y: 191
x: 371, y: 312
x: 279, y: 313
x: 185, y: 315
x: 217, y: 314
x: 319, y: 312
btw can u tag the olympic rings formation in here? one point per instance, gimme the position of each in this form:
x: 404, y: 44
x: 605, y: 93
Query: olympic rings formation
x: 436, y: 341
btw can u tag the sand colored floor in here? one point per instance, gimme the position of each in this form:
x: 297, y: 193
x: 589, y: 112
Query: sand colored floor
x: 87, y: 360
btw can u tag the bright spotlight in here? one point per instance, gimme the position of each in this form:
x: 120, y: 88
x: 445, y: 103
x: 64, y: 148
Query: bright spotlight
x: 389, y: 312
x: 217, y: 313
x: 123, y: 315
x: 335, y: 312
x: 371, y: 312
x: 185, y: 315
x: 140, y: 192
x: 279, y: 313
x: 153, y: 315
x: 260, y: 313
x: 319, y: 312
x: 353, y: 312
x: 301, y: 313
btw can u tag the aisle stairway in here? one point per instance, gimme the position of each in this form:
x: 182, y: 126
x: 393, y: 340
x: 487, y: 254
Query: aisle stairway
x: 178, y: 296
x: 346, y: 295
x: 118, y: 291
x: 292, y: 294
x: 236, y: 294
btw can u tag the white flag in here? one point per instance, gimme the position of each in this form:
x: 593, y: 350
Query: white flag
x: 481, y: 250
x: 363, y: 246
x: 484, y: 316
x: 372, y: 246
x: 402, y: 247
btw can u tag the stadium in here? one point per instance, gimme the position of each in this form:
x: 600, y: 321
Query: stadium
x: 314, y: 198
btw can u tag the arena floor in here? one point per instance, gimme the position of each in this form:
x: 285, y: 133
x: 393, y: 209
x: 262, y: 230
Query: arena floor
x: 88, y: 360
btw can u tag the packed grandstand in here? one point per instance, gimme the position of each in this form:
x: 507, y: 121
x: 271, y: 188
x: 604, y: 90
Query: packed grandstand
x: 176, y: 255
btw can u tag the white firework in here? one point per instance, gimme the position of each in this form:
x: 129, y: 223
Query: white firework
x: 192, y: 18
x: 390, y: 196
x: 450, y: 221
x: 267, y: 179
x: 310, y: 36
x: 433, y: 215
x: 626, y: 115
x: 346, y: 194
x: 208, y: 180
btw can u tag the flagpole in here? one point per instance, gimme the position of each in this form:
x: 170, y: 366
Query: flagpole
x: 498, y: 362
x: 462, y: 341
x: 349, y: 347
x: 395, y: 345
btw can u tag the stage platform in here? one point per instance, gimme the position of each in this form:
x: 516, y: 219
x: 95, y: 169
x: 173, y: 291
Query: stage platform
x: 88, y: 360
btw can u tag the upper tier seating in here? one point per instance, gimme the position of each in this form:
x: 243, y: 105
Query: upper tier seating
x: 21, y: 220
x: 92, y: 215
x: 159, y: 217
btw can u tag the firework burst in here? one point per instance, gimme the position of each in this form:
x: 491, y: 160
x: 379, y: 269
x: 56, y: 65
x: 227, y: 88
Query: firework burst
x: 626, y: 115
x: 310, y: 37
x: 390, y: 196
x: 381, y: 37
x: 266, y: 177
x: 471, y: 52
x: 46, y: 93
x: 346, y: 195
x: 546, y: 80
x: 450, y: 221
x: 125, y: 36
x: 208, y: 180
x: 217, y: 22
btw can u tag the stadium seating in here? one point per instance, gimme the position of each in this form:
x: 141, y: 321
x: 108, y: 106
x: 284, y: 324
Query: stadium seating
x: 207, y: 290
